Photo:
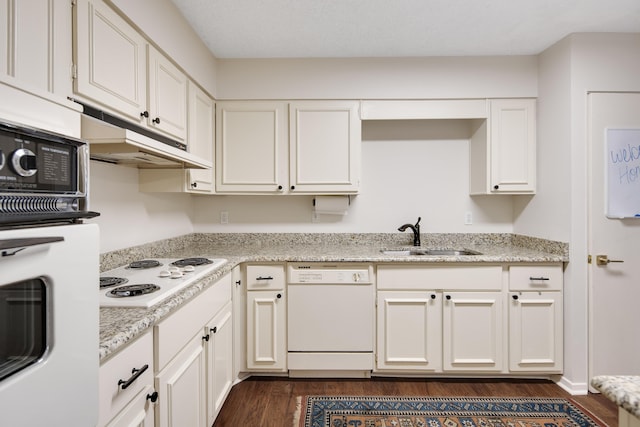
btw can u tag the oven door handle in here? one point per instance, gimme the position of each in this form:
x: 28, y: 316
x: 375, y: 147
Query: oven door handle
x: 9, y: 247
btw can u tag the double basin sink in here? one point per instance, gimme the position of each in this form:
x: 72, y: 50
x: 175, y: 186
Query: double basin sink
x: 428, y: 252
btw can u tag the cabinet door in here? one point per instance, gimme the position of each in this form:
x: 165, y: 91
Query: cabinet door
x: 239, y: 322
x: 473, y: 331
x: 535, y: 332
x: 111, y: 60
x: 266, y: 327
x: 200, y: 138
x: 181, y: 386
x: 219, y: 361
x: 138, y: 413
x: 512, y: 136
x: 34, y: 45
x: 167, y: 96
x: 251, y: 147
x: 409, y: 331
x: 324, y: 147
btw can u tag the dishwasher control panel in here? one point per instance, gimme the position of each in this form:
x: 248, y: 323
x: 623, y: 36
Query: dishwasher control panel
x: 330, y: 273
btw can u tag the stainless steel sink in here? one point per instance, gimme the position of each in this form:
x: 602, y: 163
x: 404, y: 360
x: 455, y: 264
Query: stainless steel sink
x: 428, y: 252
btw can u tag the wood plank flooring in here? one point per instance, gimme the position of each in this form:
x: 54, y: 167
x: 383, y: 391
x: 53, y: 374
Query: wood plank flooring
x: 271, y: 402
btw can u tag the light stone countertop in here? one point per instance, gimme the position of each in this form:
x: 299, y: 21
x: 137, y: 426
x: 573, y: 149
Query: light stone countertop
x: 118, y: 326
x: 623, y: 390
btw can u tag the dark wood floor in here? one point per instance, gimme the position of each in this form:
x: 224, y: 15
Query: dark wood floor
x: 271, y: 402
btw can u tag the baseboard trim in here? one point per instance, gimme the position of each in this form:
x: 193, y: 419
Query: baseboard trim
x: 575, y: 389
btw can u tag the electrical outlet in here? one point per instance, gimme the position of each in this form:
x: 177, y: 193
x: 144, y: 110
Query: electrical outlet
x: 468, y: 218
x: 224, y: 217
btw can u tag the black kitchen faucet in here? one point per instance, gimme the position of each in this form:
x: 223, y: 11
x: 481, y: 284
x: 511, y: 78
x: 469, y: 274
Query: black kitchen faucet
x: 416, y: 231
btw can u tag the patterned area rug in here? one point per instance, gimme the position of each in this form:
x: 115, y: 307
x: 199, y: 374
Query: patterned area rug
x: 388, y: 411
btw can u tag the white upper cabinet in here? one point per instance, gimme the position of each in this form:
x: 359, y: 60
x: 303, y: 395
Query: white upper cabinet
x: 503, y: 149
x: 310, y: 147
x: 35, y: 46
x: 167, y: 96
x: 200, y: 137
x: 111, y: 60
x: 325, y: 138
x: 117, y: 68
x: 251, y: 147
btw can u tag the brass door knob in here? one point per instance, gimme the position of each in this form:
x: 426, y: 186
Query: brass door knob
x: 604, y: 260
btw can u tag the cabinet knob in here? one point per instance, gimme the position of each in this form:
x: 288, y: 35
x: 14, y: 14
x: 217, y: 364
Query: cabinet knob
x: 279, y: 187
x: 279, y: 296
x: 214, y: 329
x: 495, y: 187
x: 153, y: 397
x: 206, y: 337
x: 293, y: 187
x: 448, y: 297
x: 194, y: 184
x: 156, y: 120
x: 144, y: 114
x: 515, y: 297
x: 433, y: 296
x: 238, y: 282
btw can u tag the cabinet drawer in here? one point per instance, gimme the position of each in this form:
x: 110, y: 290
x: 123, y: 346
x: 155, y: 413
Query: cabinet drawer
x: 535, y: 277
x: 112, y: 397
x: 265, y: 277
x: 173, y: 333
x: 468, y: 277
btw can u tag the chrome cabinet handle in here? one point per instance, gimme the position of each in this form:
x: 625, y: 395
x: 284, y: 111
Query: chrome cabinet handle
x: 135, y: 374
x: 9, y: 247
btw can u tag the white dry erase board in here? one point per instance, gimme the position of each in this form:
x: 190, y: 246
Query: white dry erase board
x: 622, y: 173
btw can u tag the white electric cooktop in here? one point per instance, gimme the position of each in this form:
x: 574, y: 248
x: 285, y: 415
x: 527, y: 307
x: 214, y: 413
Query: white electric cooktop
x: 148, y: 282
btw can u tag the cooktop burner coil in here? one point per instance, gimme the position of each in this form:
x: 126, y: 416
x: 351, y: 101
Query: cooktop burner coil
x: 145, y: 263
x: 191, y: 261
x: 106, y: 282
x: 132, y: 290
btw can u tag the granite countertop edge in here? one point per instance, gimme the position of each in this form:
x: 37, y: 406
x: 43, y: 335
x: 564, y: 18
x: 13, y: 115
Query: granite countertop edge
x: 119, y: 326
x: 623, y: 390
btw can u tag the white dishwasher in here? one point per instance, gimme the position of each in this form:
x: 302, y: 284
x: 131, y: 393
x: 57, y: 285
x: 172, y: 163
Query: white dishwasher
x: 331, y: 319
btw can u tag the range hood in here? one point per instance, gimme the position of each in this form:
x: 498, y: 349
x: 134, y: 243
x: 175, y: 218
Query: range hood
x: 116, y: 144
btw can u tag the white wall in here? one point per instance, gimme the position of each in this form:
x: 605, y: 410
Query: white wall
x: 128, y: 217
x: 568, y: 71
x: 162, y: 22
x: 378, y: 78
x: 409, y: 169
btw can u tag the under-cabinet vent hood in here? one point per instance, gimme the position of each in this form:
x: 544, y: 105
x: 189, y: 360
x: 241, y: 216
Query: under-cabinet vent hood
x: 115, y: 144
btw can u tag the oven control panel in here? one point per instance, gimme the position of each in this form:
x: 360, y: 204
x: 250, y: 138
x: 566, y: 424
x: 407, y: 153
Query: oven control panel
x: 324, y: 273
x: 33, y: 161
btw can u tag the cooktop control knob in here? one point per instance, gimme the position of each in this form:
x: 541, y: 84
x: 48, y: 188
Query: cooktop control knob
x: 1, y: 160
x: 23, y: 162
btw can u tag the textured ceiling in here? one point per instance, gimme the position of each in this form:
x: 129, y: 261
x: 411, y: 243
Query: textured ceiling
x: 398, y: 28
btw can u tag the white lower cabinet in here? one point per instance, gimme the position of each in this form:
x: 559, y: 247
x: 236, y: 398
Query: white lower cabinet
x: 182, y: 387
x: 472, y: 330
x: 266, y: 318
x: 535, y: 319
x: 409, y: 331
x: 194, y: 358
x: 126, y: 386
x: 466, y: 319
x: 219, y: 349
